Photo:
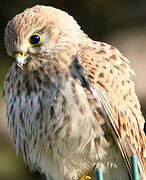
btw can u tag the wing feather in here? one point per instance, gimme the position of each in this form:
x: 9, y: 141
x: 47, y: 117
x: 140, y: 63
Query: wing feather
x: 112, y: 84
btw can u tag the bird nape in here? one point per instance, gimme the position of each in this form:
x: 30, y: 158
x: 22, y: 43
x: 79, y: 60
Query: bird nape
x: 71, y: 101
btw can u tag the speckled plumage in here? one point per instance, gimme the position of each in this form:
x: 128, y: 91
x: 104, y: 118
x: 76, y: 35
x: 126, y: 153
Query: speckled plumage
x: 72, y: 107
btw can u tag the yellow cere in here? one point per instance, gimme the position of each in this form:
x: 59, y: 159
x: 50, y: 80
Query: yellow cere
x: 18, y: 54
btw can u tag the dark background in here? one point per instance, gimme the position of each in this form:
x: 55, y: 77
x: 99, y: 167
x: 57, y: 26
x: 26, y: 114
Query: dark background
x: 121, y: 23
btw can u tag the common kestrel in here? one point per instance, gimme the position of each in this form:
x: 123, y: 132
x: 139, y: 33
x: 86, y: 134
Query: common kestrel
x: 71, y: 102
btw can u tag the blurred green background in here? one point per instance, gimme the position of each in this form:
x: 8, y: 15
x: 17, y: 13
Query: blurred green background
x: 120, y: 23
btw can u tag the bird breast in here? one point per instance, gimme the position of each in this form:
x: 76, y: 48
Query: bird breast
x: 54, y: 126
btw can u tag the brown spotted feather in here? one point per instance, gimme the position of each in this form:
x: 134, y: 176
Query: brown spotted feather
x: 111, y: 76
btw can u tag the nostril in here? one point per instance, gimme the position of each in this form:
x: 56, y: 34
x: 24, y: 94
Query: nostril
x: 19, y: 54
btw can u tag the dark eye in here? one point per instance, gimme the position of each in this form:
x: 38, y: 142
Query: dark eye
x: 35, y: 39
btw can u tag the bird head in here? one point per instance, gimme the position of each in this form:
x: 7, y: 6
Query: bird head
x: 39, y: 32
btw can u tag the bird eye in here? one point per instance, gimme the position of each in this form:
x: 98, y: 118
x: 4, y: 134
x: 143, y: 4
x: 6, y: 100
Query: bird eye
x: 35, y: 39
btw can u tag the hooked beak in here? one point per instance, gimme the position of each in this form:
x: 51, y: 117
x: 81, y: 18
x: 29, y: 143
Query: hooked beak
x: 19, y: 59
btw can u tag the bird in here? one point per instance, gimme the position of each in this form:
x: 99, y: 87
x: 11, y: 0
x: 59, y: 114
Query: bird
x: 71, y: 101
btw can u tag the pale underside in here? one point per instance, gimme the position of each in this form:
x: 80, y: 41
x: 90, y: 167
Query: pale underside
x: 65, y: 141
